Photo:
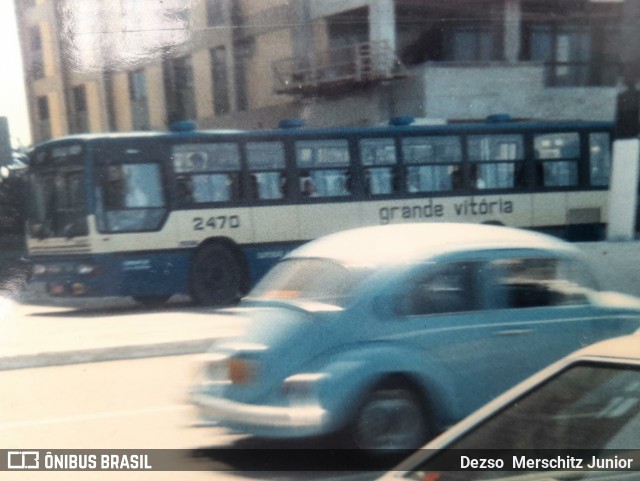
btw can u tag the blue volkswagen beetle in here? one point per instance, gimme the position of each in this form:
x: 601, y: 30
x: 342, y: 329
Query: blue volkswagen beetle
x: 387, y: 335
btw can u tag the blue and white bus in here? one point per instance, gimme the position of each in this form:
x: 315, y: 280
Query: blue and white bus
x: 206, y: 213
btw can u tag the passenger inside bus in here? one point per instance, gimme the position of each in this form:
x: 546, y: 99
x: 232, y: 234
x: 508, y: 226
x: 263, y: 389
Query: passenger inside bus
x: 308, y: 188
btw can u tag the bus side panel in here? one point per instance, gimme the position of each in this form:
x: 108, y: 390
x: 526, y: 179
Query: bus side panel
x: 509, y: 209
x: 261, y: 258
x: 278, y: 223
x: 154, y: 273
x: 149, y: 273
x: 587, y: 215
x: 316, y: 220
x: 550, y: 210
x: 195, y: 226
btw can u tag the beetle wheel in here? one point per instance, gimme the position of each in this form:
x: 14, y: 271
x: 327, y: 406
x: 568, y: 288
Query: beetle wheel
x: 392, y: 417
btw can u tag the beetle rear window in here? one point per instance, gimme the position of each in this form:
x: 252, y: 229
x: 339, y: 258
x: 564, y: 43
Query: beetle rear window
x: 319, y: 280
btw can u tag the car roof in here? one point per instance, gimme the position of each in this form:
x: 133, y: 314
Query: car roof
x: 617, y: 351
x: 620, y: 348
x: 393, y: 244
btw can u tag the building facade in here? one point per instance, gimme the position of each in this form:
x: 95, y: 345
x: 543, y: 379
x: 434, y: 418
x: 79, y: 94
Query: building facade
x: 121, y: 65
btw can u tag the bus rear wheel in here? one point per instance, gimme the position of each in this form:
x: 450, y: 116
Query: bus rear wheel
x: 218, y: 276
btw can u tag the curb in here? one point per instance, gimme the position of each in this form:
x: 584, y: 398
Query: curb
x: 104, y: 354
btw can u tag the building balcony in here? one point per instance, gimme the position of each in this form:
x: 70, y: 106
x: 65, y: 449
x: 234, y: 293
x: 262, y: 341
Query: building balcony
x: 337, y: 69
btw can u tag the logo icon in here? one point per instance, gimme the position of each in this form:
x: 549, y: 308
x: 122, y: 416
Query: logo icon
x: 23, y: 459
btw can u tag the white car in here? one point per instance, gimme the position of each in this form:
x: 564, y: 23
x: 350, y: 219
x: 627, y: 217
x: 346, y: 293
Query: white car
x: 588, y: 403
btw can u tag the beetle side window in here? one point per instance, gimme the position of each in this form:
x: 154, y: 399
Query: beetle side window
x: 539, y: 282
x: 451, y: 289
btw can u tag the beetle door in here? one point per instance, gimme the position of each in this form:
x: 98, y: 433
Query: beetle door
x: 441, y: 315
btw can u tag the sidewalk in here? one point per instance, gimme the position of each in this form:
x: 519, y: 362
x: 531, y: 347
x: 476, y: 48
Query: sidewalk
x: 103, y: 330
x: 39, y: 331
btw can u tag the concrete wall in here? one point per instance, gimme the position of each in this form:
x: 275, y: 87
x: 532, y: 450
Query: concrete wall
x: 475, y: 91
x: 617, y: 265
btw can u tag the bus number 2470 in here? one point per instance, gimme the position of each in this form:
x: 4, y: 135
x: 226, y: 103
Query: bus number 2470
x: 216, y: 222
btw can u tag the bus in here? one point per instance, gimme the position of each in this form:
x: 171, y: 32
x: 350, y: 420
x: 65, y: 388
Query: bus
x: 207, y: 213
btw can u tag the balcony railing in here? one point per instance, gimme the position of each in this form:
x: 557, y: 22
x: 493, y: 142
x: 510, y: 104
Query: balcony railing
x: 334, y: 69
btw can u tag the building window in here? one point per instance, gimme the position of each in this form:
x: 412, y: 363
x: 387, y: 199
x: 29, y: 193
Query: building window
x: 179, y: 89
x: 215, y: 13
x: 473, y: 43
x: 79, y: 116
x: 220, y: 78
x: 139, y: 100
x: 242, y: 52
x: 43, y: 108
x: 36, y: 38
x: 578, y: 47
x: 37, y: 62
x: 44, y: 122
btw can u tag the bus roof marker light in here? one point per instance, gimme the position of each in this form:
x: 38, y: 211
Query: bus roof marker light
x: 183, y: 126
x: 498, y: 118
x: 291, y: 123
x: 401, y: 120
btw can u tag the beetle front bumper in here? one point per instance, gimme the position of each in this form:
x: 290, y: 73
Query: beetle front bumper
x: 270, y: 421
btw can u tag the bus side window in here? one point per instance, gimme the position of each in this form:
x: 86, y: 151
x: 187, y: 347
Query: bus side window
x: 557, y: 157
x: 308, y: 187
x: 206, y: 172
x: 599, y: 158
x: 431, y: 163
x: 268, y: 177
x: 378, y: 157
x: 184, y: 190
x: 325, y: 167
x: 267, y: 185
x: 497, y: 161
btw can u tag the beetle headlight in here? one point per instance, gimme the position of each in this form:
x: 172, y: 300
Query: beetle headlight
x: 302, y: 387
x: 241, y: 371
x: 210, y: 367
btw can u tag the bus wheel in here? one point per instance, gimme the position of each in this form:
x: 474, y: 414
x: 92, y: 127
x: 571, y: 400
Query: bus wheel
x: 151, y: 302
x: 218, y: 276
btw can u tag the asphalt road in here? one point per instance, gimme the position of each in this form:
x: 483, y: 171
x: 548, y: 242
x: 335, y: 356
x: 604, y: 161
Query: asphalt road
x: 129, y: 404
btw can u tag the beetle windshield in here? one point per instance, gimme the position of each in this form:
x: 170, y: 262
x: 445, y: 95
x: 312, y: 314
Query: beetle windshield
x: 319, y: 280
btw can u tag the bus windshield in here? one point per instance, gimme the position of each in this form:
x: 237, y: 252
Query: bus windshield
x: 57, y: 207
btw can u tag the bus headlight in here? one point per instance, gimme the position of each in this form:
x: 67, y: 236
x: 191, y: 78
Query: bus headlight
x: 86, y: 269
x: 39, y: 270
x: 54, y: 269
